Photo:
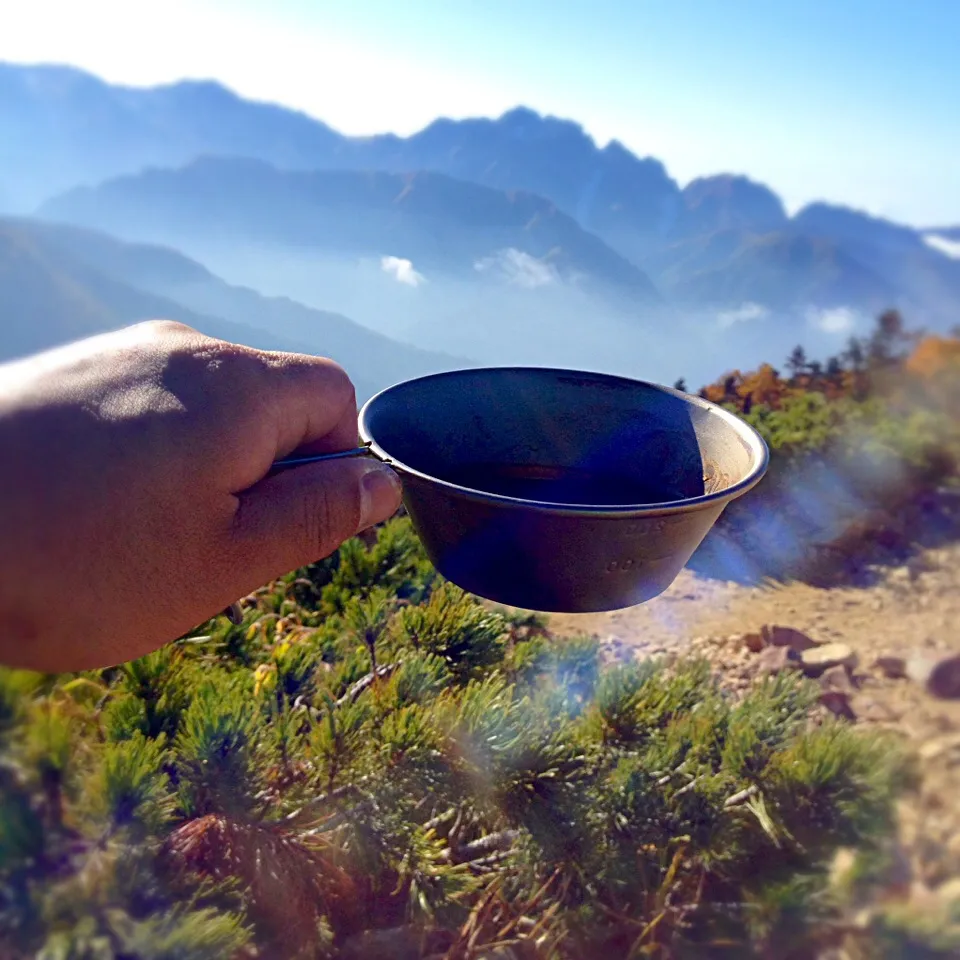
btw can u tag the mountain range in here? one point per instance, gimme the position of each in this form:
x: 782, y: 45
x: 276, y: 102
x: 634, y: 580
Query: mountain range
x: 509, y: 238
x: 436, y: 222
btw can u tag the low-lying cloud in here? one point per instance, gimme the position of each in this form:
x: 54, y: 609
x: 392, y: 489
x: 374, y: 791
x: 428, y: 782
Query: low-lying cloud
x: 832, y: 319
x: 745, y: 312
x: 402, y: 271
x: 943, y: 244
x: 518, y: 268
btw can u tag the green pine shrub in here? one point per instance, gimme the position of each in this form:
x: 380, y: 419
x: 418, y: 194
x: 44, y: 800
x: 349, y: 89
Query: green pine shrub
x: 373, y: 749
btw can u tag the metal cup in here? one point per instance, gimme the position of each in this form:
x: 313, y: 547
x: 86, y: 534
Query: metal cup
x: 488, y: 457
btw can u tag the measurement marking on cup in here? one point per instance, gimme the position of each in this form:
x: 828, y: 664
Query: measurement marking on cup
x: 622, y: 566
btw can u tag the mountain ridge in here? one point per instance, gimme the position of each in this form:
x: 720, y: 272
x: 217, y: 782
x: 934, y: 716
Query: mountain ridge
x: 426, y: 217
x: 319, y: 144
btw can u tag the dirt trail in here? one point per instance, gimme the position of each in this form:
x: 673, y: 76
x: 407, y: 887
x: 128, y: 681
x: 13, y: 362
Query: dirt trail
x: 913, y: 610
x: 911, y: 607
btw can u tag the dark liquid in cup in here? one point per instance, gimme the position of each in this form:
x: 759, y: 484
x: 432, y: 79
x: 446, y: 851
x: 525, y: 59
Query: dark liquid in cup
x: 563, y: 485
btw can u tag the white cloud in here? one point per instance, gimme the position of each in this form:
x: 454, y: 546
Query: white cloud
x: 944, y: 244
x: 518, y: 268
x: 832, y: 319
x: 402, y: 271
x: 746, y: 311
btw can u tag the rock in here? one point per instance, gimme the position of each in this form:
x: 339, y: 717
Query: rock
x: 944, y: 679
x: 931, y: 749
x: 900, y: 575
x: 873, y: 711
x: 940, y: 677
x: 949, y: 892
x: 836, y: 689
x: 953, y: 847
x: 817, y: 659
x: 754, y: 642
x: 836, y: 679
x: 838, y: 703
x: 918, y: 669
x: 894, y: 668
x: 774, y: 660
x: 920, y: 897
x: 777, y: 636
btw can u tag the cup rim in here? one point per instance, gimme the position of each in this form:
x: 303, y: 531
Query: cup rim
x: 760, y: 454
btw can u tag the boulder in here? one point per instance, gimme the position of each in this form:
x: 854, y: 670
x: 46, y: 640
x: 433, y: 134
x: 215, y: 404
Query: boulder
x: 818, y: 659
x: 940, y: 677
x: 944, y: 679
x: 892, y: 667
x: 773, y: 660
x: 777, y: 636
x: 836, y: 679
x: 838, y: 703
x: 754, y: 642
x: 873, y: 711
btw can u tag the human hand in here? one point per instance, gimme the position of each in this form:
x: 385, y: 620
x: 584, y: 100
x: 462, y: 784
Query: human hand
x: 134, y: 496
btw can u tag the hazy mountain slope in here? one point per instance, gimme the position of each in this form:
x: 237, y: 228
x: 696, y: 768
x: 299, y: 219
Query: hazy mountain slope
x: 925, y: 278
x: 734, y: 244
x: 727, y: 202
x: 60, y: 127
x: 436, y: 222
x: 951, y: 233
x: 783, y: 271
x: 59, y: 283
x: 49, y: 298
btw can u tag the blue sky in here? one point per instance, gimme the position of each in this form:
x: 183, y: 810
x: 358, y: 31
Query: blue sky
x: 849, y: 100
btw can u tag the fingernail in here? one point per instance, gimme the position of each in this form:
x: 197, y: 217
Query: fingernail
x: 379, y: 495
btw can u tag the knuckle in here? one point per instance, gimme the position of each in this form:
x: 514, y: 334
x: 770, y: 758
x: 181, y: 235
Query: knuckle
x: 161, y: 328
x: 241, y: 379
x: 334, y: 379
x: 339, y: 380
x: 232, y: 364
x: 338, y: 386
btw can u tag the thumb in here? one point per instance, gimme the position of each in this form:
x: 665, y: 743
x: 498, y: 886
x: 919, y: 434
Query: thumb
x: 298, y: 516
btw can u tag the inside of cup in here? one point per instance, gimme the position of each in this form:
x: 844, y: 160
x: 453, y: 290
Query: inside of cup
x: 558, y: 437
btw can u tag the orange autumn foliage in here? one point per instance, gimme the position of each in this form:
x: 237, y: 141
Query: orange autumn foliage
x: 933, y: 365
x: 934, y: 356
